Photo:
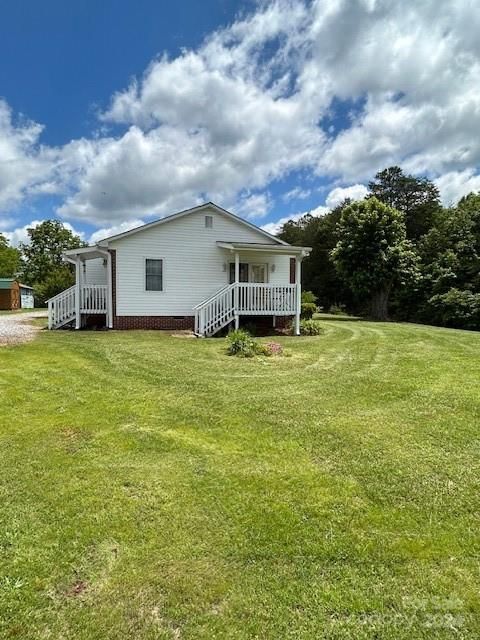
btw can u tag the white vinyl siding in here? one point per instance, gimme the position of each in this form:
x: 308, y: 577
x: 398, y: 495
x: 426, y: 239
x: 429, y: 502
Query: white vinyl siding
x: 95, y: 272
x: 197, y: 267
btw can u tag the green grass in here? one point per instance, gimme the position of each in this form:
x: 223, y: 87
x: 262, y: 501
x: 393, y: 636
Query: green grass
x: 152, y: 487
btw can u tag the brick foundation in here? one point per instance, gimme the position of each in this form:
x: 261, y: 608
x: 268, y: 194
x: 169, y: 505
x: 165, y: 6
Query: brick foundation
x: 154, y: 322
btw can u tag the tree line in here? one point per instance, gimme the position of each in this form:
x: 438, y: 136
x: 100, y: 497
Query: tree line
x: 39, y: 261
x: 396, y: 254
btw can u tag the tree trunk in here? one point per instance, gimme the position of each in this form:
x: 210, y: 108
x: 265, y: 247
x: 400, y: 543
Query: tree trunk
x: 379, y: 304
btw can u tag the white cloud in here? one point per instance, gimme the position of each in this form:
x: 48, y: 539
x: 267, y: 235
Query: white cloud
x: 253, y: 206
x: 456, y: 184
x: 275, y: 227
x: 339, y: 194
x: 101, y: 234
x: 397, y: 81
x: 20, y: 234
x: 297, y: 193
x: 23, y: 165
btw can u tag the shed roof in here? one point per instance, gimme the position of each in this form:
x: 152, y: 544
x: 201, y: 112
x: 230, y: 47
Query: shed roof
x: 6, y: 283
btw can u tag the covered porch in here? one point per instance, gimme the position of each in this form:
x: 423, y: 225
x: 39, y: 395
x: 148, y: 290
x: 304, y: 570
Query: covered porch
x: 83, y: 299
x: 255, y: 287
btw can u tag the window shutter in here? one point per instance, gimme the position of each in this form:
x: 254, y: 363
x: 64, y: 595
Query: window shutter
x: 292, y: 270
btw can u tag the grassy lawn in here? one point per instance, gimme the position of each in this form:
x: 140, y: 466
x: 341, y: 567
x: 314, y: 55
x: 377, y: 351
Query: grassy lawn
x: 152, y: 487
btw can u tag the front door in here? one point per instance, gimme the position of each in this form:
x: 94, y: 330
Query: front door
x: 258, y: 273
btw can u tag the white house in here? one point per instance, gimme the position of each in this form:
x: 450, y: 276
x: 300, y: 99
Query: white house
x: 200, y: 269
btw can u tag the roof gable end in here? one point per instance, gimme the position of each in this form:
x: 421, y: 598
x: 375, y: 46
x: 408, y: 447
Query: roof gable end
x: 207, y: 206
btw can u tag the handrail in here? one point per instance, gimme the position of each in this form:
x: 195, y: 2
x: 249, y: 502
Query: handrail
x: 265, y: 285
x: 59, y: 295
x: 61, y: 308
x: 215, y: 295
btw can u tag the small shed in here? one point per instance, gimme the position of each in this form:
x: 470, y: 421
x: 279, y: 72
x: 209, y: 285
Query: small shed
x: 15, y: 295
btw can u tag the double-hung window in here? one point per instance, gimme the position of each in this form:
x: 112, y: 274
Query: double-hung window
x: 153, y: 274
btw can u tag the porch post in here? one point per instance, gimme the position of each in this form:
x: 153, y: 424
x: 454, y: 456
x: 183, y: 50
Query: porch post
x: 237, y: 280
x: 78, y: 291
x: 298, y: 282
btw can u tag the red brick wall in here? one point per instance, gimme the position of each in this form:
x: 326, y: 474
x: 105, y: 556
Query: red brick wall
x: 153, y: 322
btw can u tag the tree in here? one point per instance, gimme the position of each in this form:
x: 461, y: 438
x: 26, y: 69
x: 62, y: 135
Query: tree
x: 318, y: 271
x: 42, y: 258
x: 373, y: 254
x: 10, y: 259
x: 417, y: 198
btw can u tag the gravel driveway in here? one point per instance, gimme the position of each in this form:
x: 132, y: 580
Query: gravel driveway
x: 15, y: 327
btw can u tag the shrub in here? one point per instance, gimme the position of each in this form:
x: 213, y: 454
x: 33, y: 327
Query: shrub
x: 310, y: 328
x: 337, y: 310
x: 307, y: 310
x: 241, y: 343
x: 459, y: 309
x: 309, y: 297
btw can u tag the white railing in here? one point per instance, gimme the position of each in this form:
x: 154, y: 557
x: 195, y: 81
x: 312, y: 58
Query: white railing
x: 215, y: 312
x: 266, y: 299
x: 244, y: 298
x: 93, y: 298
x: 61, y: 308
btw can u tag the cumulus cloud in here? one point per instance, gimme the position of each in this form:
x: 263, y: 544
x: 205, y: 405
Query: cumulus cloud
x: 248, y: 106
x: 107, y: 232
x: 20, y: 234
x: 275, y: 227
x: 23, y: 164
x: 339, y: 194
x: 456, y: 184
x: 297, y: 193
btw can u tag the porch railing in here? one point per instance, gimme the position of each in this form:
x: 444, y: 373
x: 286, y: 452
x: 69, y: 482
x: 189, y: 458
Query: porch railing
x: 61, y: 308
x: 266, y: 299
x: 93, y: 298
x: 247, y: 299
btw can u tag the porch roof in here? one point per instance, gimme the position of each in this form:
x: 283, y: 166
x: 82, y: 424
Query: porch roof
x: 288, y: 250
x: 84, y: 253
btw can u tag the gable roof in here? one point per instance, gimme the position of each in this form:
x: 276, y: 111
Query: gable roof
x: 186, y: 212
x: 6, y: 283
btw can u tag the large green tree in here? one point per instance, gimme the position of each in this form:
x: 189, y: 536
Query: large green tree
x: 450, y: 254
x: 10, y: 259
x: 318, y: 271
x: 417, y: 198
x: 43, y: 265
x: 373, y: 254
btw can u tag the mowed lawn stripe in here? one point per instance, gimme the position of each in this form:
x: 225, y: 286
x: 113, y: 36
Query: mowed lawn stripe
x: 153, y: 487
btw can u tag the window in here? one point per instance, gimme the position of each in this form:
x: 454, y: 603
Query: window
x: 209, y: 222
x: 153, y: 275
x: 243, y: 272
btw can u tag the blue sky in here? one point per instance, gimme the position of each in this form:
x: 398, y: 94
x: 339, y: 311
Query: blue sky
x: 116, y: 113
